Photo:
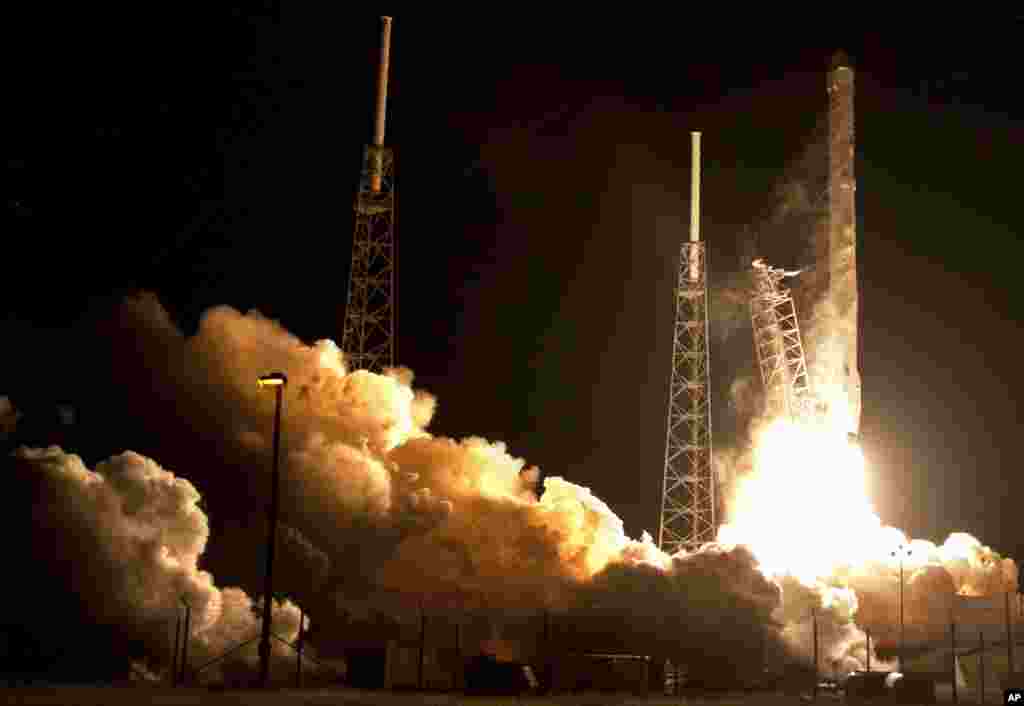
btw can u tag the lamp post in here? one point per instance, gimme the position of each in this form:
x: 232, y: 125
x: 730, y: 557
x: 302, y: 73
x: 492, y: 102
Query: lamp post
x: 278, y: 382
x: 867, y: 633
x: 177, y: 648
x: 952, y: 650
x: 901, y: 551
x: 183, y: 666
x: 814, y: 626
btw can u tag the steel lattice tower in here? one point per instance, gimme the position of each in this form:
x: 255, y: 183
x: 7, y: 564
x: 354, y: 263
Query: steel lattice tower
x: 688, y: 493
x: 368, y: 339
x: 780, y: 352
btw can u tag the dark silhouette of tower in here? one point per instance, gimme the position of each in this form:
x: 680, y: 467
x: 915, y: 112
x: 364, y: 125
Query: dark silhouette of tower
x: 368, y: 338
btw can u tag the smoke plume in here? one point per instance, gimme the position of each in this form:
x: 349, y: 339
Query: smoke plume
x: 396, y: 517
x: 127, y: 539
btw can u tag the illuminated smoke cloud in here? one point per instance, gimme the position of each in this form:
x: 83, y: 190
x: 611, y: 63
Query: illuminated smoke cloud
x: 830, y: 551
x: 492, y: 538
x: 457, y: 523
x: 129, y: 537
x: 713, y: 604
x: 463, y: 523
x: 337, y: 427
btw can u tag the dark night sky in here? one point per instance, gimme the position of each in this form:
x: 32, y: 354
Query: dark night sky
x: 543, y: 178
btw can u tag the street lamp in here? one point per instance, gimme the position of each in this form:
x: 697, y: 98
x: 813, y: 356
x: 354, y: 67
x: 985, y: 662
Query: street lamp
x: 278, y: 382
x: 902, y: 552
x: 814, y: 626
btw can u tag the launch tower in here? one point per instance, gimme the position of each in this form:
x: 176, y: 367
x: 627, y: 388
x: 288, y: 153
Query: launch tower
x: 368, y: 339
x: 688, y: 493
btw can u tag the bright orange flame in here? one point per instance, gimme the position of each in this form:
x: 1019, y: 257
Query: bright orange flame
x: 804, y: 512
x: 804, y: 509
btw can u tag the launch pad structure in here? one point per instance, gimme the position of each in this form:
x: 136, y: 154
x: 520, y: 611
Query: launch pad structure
x: 789, y: 376
x: 777, y: 345
x: 688, y: 495
x: 368, y: 337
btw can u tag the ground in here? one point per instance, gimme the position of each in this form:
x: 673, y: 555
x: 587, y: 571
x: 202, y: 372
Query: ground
x: 90, y: 696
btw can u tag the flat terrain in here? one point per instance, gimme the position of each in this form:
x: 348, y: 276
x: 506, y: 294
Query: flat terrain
x: 97, y: 696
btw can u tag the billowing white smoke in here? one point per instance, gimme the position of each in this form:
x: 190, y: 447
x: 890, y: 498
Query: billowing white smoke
x: 443, y: 521
x: 453, y: 522
x: 134, y: 534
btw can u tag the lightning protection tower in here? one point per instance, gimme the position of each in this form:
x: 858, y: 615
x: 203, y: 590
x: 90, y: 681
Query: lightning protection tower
x: 368, y: 339
x: 688, y: 492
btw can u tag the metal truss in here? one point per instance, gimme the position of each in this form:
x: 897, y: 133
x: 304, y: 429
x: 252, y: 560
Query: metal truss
x: 688, y: 495
x: 780, y: 352
x: 369, y: 334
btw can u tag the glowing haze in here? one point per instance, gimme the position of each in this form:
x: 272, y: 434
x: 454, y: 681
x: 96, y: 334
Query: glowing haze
x: 818, y: 477
x: 810, y: 475
x: 803, y: 510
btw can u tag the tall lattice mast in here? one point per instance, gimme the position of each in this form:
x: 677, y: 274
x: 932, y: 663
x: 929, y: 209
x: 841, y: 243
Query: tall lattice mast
x: 369, y: 333
x: 688, y: 492
x: 780, y: 352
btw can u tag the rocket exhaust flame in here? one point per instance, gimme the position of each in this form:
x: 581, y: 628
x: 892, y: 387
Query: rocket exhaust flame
x: 829, y: 541
x: 803, y: 508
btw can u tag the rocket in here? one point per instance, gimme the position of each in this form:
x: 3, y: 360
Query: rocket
x: 832, y: 336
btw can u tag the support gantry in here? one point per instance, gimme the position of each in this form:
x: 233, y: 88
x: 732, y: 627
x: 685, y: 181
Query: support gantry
x: 688, y: 502
x: 777, y: 343
x: 369, y: 336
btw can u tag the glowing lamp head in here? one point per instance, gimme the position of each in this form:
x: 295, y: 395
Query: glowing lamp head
x: 273, y: 380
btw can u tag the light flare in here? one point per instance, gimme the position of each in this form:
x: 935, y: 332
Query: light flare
x: 804, y: 512
x: 804, y: 509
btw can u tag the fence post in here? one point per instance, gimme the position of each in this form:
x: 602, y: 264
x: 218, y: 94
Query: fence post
x: 981, y: 667
x: 423, y: 645
x: 184, y: 643
x: 177, y: 647
x: 868, y: 634
x: 298, y: 649
x: 956, y: 672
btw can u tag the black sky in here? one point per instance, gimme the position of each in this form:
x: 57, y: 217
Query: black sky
x: 543, y: 180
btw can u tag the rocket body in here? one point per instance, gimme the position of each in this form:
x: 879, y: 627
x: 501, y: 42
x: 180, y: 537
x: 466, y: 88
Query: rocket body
x: 835, y: 370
